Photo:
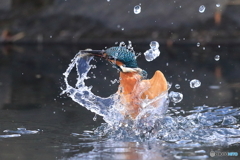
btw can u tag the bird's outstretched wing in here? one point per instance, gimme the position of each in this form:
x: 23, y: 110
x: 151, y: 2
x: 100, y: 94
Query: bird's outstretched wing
x: 157, y: 85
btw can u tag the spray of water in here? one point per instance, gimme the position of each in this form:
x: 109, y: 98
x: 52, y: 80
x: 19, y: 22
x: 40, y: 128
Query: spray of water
x: 109, y: 108
x: 203, y: 125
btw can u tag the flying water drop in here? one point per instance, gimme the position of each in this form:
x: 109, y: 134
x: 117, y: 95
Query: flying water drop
x: 202, y: 8
x: 114, y: 81
x: 198, y: 44
x: 154, y: 45
x: 95, y: 117
x: 153, y: 52
x: 195, y: 83
x: 218, y: 5
x: 175, y: 97
x: 129, y: 46
x: 122, y: 44
x: 217, y: 58
x: 177, y: 86
x: 137, y: 9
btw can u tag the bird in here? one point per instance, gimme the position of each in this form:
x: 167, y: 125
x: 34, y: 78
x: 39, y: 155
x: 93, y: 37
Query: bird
x: 134, y: 86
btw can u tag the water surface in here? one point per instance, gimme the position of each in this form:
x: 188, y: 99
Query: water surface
x: 58, y: 128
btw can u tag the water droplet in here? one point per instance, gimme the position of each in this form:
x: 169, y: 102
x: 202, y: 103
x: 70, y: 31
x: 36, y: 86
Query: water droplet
x: 218, y: 5
x: 217, y: 58
x: 122, y: 44
x: 198, y: 44
x: 195, y: 83
x: 95, y: 117
x: 175, y: 97
x: 152, y: 53
x: 219, y: 46
x: 154, y: 45
x: 114, y: 81
x: 137, y: 9
x: 177, y: 86
x: 129, y: 45
x: 202, y: 8
x: 203, y: 48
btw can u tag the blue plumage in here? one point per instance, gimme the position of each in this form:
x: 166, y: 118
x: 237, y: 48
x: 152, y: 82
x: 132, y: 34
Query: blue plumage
x: 123, y: 55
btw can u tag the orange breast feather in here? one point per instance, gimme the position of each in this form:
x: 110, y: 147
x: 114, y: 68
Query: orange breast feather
x: 132, y: 90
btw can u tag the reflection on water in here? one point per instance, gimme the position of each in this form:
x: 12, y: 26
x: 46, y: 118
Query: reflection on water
x: 29, y: 98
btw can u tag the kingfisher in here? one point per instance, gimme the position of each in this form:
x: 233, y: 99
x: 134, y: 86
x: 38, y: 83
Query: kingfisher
x: 134, y: 85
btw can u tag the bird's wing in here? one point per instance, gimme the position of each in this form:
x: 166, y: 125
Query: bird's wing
x: 158, y: 85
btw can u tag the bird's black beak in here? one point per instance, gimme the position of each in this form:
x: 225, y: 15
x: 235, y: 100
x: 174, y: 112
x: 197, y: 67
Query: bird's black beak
x: 97, y: 53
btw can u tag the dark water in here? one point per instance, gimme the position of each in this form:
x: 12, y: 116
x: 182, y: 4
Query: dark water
x: 30, y: 81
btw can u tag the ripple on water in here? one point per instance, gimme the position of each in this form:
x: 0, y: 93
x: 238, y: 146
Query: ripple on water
x: 21, y: 131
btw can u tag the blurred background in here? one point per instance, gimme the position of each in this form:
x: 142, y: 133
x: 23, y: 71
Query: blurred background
x: 72, y: 21
x: 39, y: 38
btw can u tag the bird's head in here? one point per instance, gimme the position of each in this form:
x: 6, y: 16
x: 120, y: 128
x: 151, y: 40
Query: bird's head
x: 120, y: 57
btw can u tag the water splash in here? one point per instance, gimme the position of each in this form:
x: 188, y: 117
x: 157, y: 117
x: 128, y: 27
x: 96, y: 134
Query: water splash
x: 10, y: 135
x: 188, y: 135
x: 204, y: 125
x: 109, y: 108
x: 21, y: 131
x: 178, y: 128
